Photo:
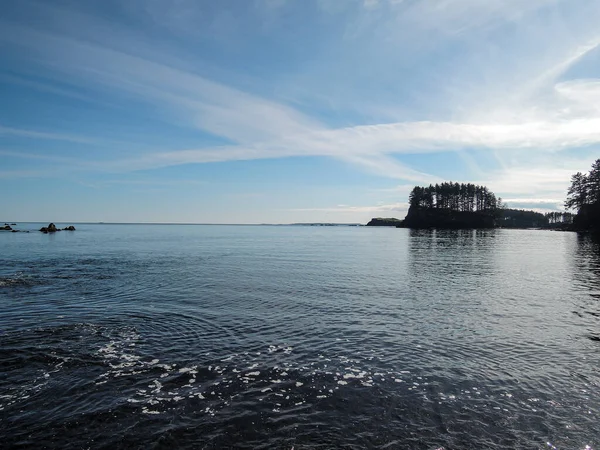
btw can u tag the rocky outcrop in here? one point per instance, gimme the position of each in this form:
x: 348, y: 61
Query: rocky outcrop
x: 10, y: 228
x: 51, y: 228
x: 384, y: 222
x: 447, y: 218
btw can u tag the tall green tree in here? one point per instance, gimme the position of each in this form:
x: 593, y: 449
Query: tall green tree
x: 454, y: 196
x: 593, y: 183
x: 578, y: 193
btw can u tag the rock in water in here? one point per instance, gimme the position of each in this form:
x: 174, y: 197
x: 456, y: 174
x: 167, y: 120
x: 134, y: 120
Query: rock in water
x: 51, y: 228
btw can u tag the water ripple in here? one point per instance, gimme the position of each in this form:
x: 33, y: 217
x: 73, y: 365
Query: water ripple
x: 265, y: 337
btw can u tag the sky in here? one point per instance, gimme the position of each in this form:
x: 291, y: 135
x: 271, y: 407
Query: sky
x: 285, y: 111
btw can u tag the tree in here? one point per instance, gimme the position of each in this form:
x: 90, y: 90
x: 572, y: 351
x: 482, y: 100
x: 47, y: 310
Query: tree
x: 455, y: 197
x: 584, y: 196
x: 577, y: 195
x: 593, y: 183
x: 501, y: 204
x: 555, y: 217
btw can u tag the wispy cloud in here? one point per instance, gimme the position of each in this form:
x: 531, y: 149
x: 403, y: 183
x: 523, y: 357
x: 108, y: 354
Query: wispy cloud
x: 25, y: 173
x: 373, y: 209
x: 44, y: 87
x: 483, y: 97
x: 210, y: 106
x: 8, y: 131
x: 155, y: 183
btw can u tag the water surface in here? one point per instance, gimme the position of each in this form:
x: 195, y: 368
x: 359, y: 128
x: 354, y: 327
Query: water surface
x: 182, y: 336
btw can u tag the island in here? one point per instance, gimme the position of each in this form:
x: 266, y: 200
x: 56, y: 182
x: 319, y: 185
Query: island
x: 452, y: 206
x: 385, y: 222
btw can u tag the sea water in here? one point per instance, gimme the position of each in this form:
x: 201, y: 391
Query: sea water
x: 188, y: 336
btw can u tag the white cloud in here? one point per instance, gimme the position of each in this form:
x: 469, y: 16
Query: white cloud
x: 456, y: 16
x: 584, y: 95
x: 494, y: 102
x: 203, y: 103
x: 9, y: 131
x: 382, y: 208
x: 534, y: 200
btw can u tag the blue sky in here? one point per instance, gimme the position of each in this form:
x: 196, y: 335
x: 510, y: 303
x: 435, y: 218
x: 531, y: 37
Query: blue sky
x: 279, y: 111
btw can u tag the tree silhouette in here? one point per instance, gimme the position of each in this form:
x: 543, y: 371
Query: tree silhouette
x: 584, y: 189
x: 454, y: 196
x: 558, y: 217
x: 577, y: 195
x: 593, y: 183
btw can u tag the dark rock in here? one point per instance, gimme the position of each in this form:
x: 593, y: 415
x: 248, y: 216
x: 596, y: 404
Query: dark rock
x: 6, y: 227
x: 69, y: 228
x: 419, y: 217
x: 51, y: 228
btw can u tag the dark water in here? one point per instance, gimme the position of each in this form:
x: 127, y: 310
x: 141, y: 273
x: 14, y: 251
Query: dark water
x: 123, y: 336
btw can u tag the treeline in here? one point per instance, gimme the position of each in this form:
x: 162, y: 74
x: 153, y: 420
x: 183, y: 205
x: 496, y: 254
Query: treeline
x: 584, y: 197
x: 584, y: 189
x: 559, y: 217
x: 454, y: 196
x: 520, y: 218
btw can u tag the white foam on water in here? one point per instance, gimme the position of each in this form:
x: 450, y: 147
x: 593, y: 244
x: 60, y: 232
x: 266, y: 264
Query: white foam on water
x: 235, y: 378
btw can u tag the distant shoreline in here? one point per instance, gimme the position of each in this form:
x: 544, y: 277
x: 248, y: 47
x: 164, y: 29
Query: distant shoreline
x: 321, y: 224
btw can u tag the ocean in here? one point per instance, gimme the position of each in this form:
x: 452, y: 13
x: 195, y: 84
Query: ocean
x: 201, y: 336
